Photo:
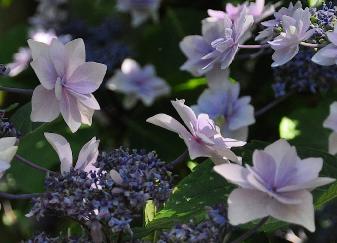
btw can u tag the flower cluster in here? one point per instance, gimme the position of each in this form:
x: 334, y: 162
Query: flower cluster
x: 113, y: 190
x: 323, y: 20
x: 138, y: 83
x: 212, y: 230
x: 303, y: 75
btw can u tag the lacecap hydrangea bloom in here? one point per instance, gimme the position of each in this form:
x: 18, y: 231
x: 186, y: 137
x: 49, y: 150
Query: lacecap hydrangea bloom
x: 295, y: 29
x: 203, y: 137
x: 232, y: 114
x: 7, y: 153
x: 327, y: 56
x: 278, y: 184
x: 140, y: 10
x: 331, y: 122
x: 67, y: 83
x: 218, y: 45
x: 86, y: 158
x: 138, y: 83
x: 272, y: 26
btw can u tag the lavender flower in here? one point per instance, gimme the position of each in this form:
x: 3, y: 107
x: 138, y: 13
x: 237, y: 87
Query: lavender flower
x: 278, y: 185
x: 232, y: 114
x: 328, y: 55
x: 203, y: 138
x: 217, y: 46
x: 295, y: 30
x: 331, y: 122
x: 7, y: 153
x: 140, y: 10
x: 274, y: 25
x: 67, y: 82
x: 138, y: 83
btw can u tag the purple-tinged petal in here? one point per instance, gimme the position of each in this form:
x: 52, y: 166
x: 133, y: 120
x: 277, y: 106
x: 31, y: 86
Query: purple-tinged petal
x: 301, y: 214
x: 278, y: 149
x: 245, y: 205
x: 70, y: 111
x: 45, y: 71
x: 234, y: 173
x: 57, y: 54
x: 331, y: 121
x: 63, y: 150
x: 87, y: 77
x: 43, y: 111
x: 75, y: 51
x: 37, y: 48
x: 326, y: 56
x: 309, y: 185
x: 186, y: 114
x: 265, y: 166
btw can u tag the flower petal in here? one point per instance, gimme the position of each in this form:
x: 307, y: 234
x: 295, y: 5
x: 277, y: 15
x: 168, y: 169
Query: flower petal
x: 301, y: 214
x: 75, y: 51
x: 87, y: 77
x: 43, y: 111
x: 245, y: 205
x: 186, y: 114
x: 234, y: 173
x: 88, y: 154
x: 63, y: 150
x: 70, y: 111
x: 333, y: 143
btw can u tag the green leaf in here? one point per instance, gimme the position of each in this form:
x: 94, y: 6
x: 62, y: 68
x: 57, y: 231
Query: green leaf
x: 315, y: 3
x: 203, y: 188
x: 191, y: 84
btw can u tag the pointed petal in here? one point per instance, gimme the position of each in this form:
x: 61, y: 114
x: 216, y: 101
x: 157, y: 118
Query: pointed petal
x: 45, y: 71
x: 63, y: 150
x: 57, y: 54
x: 70, y: 111
x: 234, y: 173
x: 88, y: 154
x: 37, y: 48
x: 186, y: 114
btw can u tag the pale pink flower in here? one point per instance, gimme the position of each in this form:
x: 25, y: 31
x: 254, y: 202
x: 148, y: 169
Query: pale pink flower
x: 203, y: 138
x: 331, y: 122
x: 86, y: 158
x: 278, y: 184
x: 67, y: 83
x: 7, y: 153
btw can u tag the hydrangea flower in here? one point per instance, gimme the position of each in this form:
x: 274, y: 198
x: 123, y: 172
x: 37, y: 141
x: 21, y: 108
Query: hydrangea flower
x: 327, y: 56
x: 278, y: 184
x: 7, y: 153
x: 257, y: 9
x: 232, y: 114
x: 331, y: 122
x: 217, y: 46
x: 86, y: 158
x: 138, y: 83
x: 203, y: 138
x: 67, y: 83
x: 295, y: 30
x: 140, y: 10
x: 272, y: 25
